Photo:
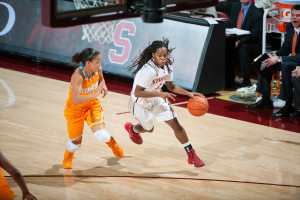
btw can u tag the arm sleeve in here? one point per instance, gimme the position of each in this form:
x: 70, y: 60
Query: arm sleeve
x: 295, y: 58
x: 255, y: 29
x: 232, y: 17
x: 286, y: 47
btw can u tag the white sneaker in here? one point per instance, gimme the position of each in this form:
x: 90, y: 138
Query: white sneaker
x: 247, y: 89
x: 241, y: 90
x: 258, y: 99
x: 251, y: 88
x: 278, y: 103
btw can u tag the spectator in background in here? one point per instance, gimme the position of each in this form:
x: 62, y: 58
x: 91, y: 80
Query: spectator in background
x: 225, y: 6
x: 210, y: 11
x: 265, y: 4
x: 285, y: 59
x: 244, y: 15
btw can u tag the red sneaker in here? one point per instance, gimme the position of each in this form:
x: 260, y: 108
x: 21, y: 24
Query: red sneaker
x: 135, y: 137
x: 194, y: 159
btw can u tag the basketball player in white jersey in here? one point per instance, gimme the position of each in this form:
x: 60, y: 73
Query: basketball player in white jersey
x: 152, y: 69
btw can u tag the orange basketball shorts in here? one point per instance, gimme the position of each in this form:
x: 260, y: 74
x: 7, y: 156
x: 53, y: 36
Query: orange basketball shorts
x: 75, y: 119
x: 5, y: 192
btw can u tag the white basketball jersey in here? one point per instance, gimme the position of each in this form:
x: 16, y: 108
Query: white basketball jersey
x: 152, y: 78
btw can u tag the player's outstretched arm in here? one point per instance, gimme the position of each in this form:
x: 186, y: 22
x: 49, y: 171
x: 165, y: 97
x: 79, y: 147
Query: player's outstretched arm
x: 17, y: 176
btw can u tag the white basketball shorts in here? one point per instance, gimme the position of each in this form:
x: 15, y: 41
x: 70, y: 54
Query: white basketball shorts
x: 145, y: 113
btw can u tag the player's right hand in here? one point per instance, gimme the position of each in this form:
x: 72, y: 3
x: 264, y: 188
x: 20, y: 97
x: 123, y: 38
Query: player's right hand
x: 167, y: 95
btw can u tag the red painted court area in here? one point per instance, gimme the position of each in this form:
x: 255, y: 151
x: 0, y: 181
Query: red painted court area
x: 116, y: 84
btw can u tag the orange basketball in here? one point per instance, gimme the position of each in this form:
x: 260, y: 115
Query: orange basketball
x: 197, y: 106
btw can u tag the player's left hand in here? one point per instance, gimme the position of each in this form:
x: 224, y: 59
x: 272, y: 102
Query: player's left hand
x: 104, y: 91
x: 103, y: 88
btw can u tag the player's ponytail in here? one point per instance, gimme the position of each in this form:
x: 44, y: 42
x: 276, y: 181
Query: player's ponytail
x: 85, y: 55
x: 76, y: 59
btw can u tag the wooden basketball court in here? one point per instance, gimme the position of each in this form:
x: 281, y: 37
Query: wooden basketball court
x: 243, y: 160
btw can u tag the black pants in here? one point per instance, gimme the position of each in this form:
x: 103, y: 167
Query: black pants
x: 230, y: 61
x: 246, y: 54
x: 265, y: 77
x: 241, y: 57
x: 296, y: 83
x: 286, y: 89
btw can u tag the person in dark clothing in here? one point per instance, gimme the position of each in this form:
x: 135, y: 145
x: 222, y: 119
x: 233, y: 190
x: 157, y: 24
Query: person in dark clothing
x: 296, y: 84
x: 285, y: 59
x: 248, y: 47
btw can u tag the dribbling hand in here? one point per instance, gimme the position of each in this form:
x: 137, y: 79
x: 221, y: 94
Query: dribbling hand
x: 192, y: 94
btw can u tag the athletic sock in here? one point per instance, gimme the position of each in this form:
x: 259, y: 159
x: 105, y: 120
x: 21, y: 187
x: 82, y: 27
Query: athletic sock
x: 187, y: 146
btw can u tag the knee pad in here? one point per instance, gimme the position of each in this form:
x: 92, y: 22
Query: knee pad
x: 102, y: 135
x: 71, y: 147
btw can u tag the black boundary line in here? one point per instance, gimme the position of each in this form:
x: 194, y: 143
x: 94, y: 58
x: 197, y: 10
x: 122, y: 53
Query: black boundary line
x: 153, y: 177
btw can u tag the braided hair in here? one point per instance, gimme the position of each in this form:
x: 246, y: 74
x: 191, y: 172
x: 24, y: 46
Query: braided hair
x: 139, y: 61
x: 87, y: 54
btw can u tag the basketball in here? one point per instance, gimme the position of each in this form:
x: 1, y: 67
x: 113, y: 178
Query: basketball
x: 197, y: 106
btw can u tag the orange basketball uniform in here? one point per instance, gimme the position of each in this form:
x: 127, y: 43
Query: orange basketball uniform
x: 91, y: 111
x: 5, y: 192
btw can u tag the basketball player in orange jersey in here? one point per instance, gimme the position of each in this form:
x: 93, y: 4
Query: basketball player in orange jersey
x: 5, y: 192
x: 83, y: 105
x: 152, y: 69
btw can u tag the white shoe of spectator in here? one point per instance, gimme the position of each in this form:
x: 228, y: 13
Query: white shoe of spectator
x: 241, y: 90
x: 247, y: 89
x: 278, y: 103
x: 258, y: 99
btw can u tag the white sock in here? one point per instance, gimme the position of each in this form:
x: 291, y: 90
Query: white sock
x: 71, y: 147
x: 186, y: 144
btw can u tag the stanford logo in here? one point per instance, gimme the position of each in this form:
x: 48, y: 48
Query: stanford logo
x: 159, y: 79
x: 121, y: 42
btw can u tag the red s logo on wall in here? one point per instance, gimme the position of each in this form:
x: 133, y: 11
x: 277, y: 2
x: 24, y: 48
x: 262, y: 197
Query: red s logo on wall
x: 122, y: 42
